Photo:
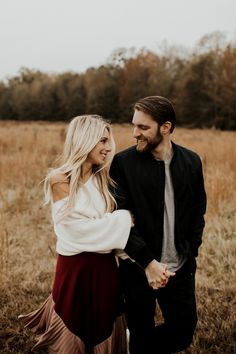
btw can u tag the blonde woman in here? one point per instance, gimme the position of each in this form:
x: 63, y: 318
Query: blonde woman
x: 84, y: 312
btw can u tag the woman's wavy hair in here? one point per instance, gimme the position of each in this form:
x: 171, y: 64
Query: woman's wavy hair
x: 83, y: 134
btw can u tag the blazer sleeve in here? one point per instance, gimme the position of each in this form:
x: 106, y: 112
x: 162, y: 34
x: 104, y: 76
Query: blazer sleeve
x: 198, y: 211
x: 136, y: 247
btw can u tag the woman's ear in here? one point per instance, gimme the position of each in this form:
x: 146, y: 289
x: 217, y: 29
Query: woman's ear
x: 166, y: 127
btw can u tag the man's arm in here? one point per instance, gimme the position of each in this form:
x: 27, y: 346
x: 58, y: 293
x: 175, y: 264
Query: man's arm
x: 157, y: 273
x: 136, y: 247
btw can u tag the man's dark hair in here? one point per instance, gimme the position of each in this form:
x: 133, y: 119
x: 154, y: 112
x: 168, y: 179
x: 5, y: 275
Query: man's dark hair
x: 159, y: 108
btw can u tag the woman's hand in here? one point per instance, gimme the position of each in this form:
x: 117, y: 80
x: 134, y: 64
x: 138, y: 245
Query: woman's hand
x: 157, y: 274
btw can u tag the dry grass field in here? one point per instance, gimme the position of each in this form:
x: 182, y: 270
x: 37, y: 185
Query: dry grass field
x: 27, y: 242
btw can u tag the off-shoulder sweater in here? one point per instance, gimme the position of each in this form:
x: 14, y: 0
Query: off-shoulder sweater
x: 87, y: 227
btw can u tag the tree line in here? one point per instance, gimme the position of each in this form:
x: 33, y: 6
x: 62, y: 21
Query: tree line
x: 201, y: 85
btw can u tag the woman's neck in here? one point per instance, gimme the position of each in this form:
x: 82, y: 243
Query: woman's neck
x: 87, y: 171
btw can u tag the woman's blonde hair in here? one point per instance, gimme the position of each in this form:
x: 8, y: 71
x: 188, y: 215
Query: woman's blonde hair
x: 83, y: 134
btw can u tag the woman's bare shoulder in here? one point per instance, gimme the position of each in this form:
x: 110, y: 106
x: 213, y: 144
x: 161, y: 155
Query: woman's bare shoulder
x: 60, y: 186
x: 59, y: 178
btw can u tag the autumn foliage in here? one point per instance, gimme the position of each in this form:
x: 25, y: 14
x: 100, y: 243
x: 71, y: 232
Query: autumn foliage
x: 201, y: 85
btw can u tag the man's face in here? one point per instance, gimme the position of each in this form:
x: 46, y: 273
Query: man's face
x: 146, y: 131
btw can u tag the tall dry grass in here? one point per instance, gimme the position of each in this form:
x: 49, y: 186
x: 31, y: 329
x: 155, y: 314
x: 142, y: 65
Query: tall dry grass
x: 27, y: 242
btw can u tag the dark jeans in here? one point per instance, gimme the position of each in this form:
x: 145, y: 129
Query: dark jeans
x: 177, y: 303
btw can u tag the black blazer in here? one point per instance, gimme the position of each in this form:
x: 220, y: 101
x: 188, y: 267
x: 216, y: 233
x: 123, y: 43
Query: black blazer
x: 140, y: 182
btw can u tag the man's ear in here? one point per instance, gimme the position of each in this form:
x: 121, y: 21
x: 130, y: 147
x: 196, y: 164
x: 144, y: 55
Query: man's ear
x: 166, y: 127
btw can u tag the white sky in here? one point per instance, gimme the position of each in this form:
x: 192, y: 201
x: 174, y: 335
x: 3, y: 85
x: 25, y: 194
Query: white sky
x: 60, y: 35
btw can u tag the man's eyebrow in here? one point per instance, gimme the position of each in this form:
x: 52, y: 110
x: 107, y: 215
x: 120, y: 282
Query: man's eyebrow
x: 142, y: 125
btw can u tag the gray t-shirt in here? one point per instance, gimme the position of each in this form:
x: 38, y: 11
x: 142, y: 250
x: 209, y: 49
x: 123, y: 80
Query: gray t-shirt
x: 169, y: 253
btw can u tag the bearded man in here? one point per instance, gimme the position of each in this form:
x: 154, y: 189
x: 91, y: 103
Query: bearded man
x: 162, y: 184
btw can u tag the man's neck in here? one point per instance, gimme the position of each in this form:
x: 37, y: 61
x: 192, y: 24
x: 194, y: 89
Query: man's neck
x: 163, y: 151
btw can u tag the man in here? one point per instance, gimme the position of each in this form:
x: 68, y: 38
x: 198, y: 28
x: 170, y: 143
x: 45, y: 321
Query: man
x: 162, y: 184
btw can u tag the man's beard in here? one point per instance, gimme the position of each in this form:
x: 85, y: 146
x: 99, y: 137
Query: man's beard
x: 150, y: 145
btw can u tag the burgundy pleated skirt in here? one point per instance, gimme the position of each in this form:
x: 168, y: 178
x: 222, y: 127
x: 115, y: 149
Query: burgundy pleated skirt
x: 87, y: 294
x: 84, y: 312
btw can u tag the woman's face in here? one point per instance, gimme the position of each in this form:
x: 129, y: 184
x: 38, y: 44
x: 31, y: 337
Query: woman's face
x: 98, y: 154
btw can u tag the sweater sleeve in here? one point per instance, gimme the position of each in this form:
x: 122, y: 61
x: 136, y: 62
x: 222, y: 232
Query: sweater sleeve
x: 77, y: 233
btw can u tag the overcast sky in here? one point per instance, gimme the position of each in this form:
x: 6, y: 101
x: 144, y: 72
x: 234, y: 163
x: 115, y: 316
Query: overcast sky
x: 61, y: 35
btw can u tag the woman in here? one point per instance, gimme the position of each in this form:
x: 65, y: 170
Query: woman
x: 84, y: 312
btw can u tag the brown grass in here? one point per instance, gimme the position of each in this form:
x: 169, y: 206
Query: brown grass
x: 27, y: 242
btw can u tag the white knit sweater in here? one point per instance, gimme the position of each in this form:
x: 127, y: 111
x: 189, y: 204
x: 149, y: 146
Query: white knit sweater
x: 88, y: 228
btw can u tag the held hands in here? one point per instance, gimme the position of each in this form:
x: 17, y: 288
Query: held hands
x: 157, y: 274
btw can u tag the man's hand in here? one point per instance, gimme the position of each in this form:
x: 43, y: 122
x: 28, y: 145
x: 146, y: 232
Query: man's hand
x: 157, y: 274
